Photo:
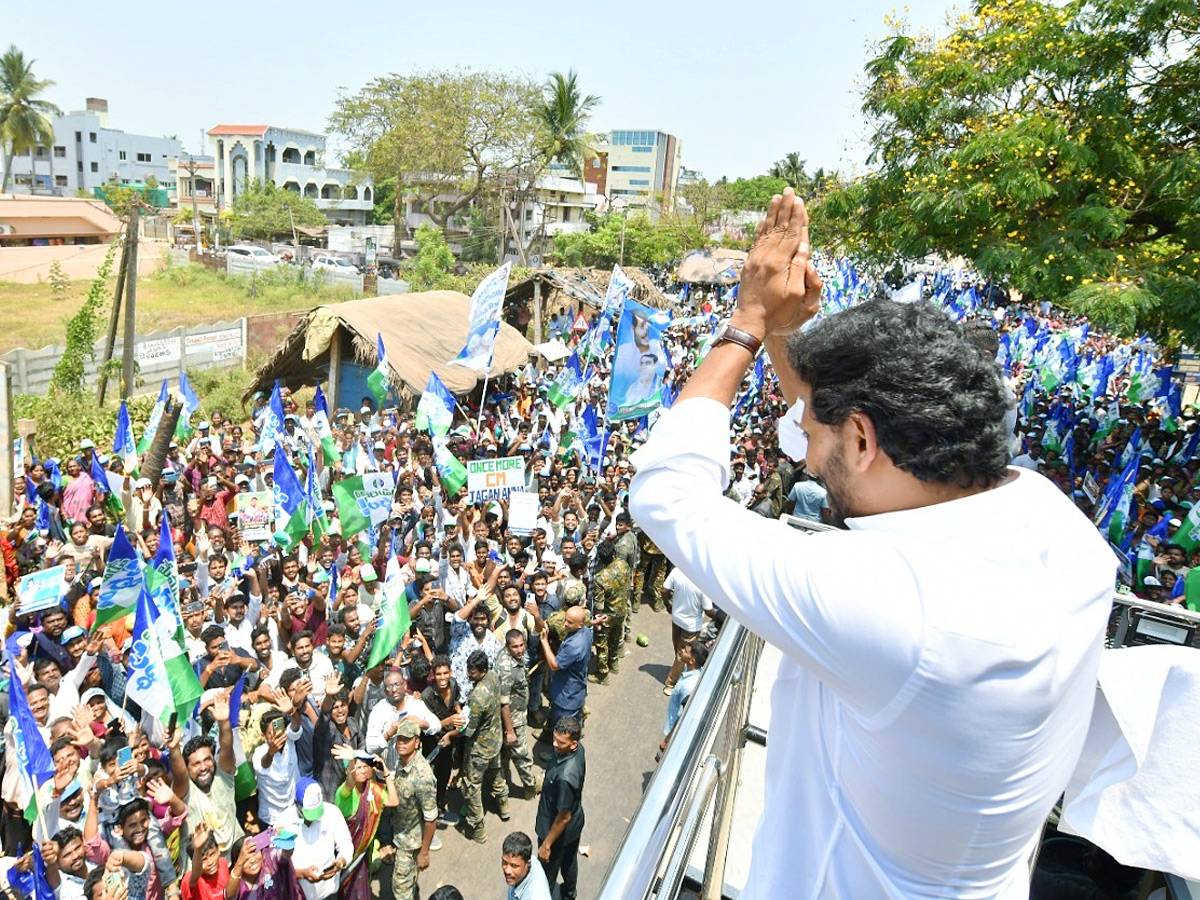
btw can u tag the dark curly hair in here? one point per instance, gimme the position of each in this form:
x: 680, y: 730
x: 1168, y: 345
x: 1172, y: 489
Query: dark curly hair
x: 936, y: 401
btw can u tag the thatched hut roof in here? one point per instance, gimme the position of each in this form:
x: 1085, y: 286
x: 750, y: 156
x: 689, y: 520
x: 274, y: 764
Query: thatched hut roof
x: 565, y: 287
x: 421, y: 332
x: 719, y: 266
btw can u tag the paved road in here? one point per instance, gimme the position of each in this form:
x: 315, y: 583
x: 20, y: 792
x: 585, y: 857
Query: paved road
x: 621, y: 735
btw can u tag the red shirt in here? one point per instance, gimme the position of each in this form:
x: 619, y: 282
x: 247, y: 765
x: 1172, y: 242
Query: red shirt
x: 213, y: 511
x: 207, y: 887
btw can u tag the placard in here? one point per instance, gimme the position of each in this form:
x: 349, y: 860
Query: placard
x: 254, y: 510
x: 1090, y: 488
x: 43, y: 589
x: 494, y: 479
x: 522, y: 512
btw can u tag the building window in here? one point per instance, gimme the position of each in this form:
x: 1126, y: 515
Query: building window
x: 41, y: 152
x: 78, y: 136
x: 79, y: 166
x: 60, y: 180
x: 644, y: 182
x: 143, y: 157
x: 631, y: 168
x: 643, y: 149
x: 92, y: 136
x: 60, y: 152
x: 95, y: 167
x: 567, y: 214
x: 122, y: 156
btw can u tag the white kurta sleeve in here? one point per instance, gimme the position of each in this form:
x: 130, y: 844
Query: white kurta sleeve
x: 842, y: 604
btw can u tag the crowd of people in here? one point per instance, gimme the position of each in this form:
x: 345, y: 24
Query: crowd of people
x: 303, y: 767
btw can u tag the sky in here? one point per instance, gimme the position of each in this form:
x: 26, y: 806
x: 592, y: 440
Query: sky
x: 740, y: 85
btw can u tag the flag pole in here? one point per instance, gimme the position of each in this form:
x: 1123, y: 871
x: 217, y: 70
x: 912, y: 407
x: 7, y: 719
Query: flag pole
x: 482, y: 401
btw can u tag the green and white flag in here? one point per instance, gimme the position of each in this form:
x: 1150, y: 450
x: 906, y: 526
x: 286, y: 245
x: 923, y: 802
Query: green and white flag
x: 1188, y: 535
x: 568, y: 384
x: 452, y: 472
x: 122, y: 582
x: 363, y: 501
x: 156, y: 415
x: 324, y: 432
x: 396, y: 617
x: 378, y: 380
x: 435, y: 409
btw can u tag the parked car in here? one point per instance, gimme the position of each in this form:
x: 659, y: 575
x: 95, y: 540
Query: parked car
x: 327, y: 263
x: 256, y: 256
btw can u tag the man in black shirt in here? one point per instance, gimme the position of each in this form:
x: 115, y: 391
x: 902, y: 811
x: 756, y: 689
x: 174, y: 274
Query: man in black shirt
x: 559, y: 822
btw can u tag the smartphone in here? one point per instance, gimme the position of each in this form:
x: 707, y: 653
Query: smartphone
x: 223, y: 646
x: 124, y: 756
x: 172, y: 722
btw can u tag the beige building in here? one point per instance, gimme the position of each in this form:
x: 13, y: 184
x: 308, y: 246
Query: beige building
x: 643, y: 168
x: 36, y: 232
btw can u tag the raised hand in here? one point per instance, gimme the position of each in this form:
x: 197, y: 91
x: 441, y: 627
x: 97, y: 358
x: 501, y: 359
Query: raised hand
x: 162, y: 794
x: 343, y: 752
x: 333, y: 684
x: 220, y: 706
x: 780, y: 289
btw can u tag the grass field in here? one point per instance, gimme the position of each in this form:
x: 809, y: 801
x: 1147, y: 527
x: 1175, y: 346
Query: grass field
x: 35, y: 315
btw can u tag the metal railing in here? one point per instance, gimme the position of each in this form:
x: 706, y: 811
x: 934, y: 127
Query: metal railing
x: 698, y: 772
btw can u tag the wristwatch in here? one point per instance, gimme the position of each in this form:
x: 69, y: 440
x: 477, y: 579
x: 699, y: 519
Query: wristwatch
x: 728, y: 334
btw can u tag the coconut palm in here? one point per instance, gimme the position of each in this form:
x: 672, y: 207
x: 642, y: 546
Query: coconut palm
x: 561, y: 117
x: 791, y: 170
x: 24, y: 118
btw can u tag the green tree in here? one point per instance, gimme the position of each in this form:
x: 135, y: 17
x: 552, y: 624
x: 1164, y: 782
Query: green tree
x: 561, y: 117
x: 646, y: 242
x: 433, y: 261
x: 265, y: 211
x: 1052, y: 143
x: 706, y: 201
x: 447, y: 137
x: 24, y: 116
x: 83, y: 329
x: 756, y: 192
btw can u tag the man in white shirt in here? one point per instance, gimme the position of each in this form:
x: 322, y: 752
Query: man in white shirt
x: 323, y: 844
x: 275, y: 763
x: 688, y: 607
x: 919, y: 735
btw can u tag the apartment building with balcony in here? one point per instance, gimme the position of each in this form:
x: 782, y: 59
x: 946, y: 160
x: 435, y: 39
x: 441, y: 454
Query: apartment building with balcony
x: 291, y: 159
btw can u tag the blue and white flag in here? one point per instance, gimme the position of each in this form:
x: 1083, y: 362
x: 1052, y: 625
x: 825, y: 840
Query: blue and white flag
x: 156, y: 415
x: 486, y: 304
x: 599, y: 336
x: 435, y: 409
x: 99, y: 476
x: 122, y: 581
x: 191, y: 403
x: 290, y: 506
x: 272, y: 420
x: 124, y: 446
x: 756, y: 383
x: 595, y: 442
x: 35, y: 764
x: 639, y: 363
x: 910, y: 293
x: 568, y: 384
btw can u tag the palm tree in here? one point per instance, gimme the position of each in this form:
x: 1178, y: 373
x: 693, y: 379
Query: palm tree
x: 24, y: 119
x: 791, y: 170
x: 561, y: 117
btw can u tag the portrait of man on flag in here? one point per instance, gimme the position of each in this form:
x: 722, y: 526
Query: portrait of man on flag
x: 639, y: 364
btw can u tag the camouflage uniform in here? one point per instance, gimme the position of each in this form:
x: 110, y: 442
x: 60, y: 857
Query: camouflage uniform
x: 481, y: 756
x: 626, y: 547
x: 649, y: 575
x: 418, y: 804
x: 557, y: 623
x: 610, y: 596
x: 514, y: 693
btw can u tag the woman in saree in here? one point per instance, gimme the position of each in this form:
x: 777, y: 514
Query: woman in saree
x: 361, y: 800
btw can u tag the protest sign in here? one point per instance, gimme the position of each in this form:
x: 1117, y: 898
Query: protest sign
x: 42, y: 590
x: 254, y: 509
x: 494, y: 479
x: 522, y: 512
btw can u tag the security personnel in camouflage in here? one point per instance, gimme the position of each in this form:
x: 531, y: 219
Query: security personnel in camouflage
x: 650, y: 574
x: 610, y: 597
x: 514, y: 703
x: 416, y: 816
x: 484, y: 732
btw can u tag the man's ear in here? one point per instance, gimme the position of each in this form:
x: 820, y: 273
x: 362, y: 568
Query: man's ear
x: 862, y: 448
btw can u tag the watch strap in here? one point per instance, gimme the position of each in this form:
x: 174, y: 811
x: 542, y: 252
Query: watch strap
x: 732, y: 335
